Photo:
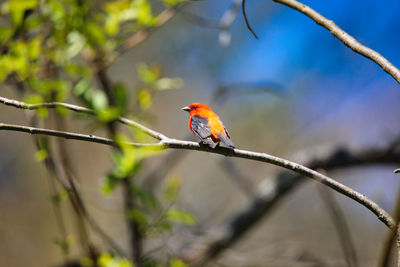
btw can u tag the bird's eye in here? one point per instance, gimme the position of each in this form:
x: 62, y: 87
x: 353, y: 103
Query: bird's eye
x: 194, y: 107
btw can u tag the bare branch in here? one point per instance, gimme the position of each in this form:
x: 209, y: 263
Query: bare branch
x: 128, y: 122
x: 269, y: 195
x: 344, y: 37
x: 262, y: 157
x: 247, y: 20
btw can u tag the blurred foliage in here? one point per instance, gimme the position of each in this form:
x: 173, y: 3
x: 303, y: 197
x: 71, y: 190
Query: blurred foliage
x: 56, y: 50
x: 107, y: 260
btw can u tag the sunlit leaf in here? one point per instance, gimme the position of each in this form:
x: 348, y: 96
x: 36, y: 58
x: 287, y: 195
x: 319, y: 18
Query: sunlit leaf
x: 148, y: 74
x: 34, y: 48
x: 144, y: 16
x: 41, y: 155
x: 82, y: 87
x: 95, y: 34
x: 173, y: 2
x: 106, y: 260
x: 5, y: 34
x: 99, y: 100
x: 34, y: 99
x: 76, y: 43
x: 18, y: 7
x: 180, y: 216
x: 169, y: 83
x: 108, y: 114
x: 176, y: 263
x: 145, y: 99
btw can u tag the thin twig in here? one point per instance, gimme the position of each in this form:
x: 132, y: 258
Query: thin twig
x: 246, y: 19
x: 344, y: 37
x: 256, y: 156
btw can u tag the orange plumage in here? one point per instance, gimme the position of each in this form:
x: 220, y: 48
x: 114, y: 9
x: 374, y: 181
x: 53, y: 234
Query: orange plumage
x: 206, y: 125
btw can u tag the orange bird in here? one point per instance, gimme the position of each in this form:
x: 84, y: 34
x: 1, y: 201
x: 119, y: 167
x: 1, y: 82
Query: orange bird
x: 207, y: 125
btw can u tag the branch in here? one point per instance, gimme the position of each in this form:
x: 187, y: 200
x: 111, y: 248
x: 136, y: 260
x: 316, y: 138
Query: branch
x: 247, y: 20
x: 238, y: 153
x: 344, y: 37
x: 128, y: 122
x: 270, y: 193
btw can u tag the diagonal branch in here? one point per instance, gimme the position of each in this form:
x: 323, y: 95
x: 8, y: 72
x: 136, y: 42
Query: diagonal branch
x: 344, y: 37
x: 128, y: 122
x: 238, y: 153
x: 269, y: 194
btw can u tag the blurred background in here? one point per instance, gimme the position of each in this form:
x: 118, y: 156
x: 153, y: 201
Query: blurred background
x: 296, y: 92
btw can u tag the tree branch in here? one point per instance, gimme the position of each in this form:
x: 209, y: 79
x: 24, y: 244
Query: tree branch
x: 262, y: 157
x: 270, y: 193
x: 344, y: 37
x: 128, y: 122
x: 247, y: 20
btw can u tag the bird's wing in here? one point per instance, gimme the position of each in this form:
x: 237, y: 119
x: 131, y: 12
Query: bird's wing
x: 226, y: 131
x: 200, y: 127
x: 226, y: 140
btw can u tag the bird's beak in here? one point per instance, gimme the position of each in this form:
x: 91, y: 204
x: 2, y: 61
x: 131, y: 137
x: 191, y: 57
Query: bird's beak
x: 186, y: 109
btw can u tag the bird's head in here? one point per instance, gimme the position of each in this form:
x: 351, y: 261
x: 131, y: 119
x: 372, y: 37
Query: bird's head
x: 196, y: 107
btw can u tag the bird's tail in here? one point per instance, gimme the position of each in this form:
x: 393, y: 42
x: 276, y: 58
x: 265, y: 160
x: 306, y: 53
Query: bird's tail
x: 225, y: 139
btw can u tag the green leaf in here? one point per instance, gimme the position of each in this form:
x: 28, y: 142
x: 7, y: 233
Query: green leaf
x: 82, y: 87
x: 34, y: 47
x: 180, y: 216
x: 34, y: 99
x: 106, y: 260
x: 63, y: 111
x: 145, y: 99
x: 169, y: 83
x: 41, y: 155
x: 5, y: 34
x: 121, y: 97
x: 95, y: 34
x: 108, y: 114
x: 109, y: 184
x: 173, y: 2
x: 148, y: 74
x: 18, y: 7
x: 144, y: 13
x: 76, y: 42
x: 99, y: 100
x: 176, y: 263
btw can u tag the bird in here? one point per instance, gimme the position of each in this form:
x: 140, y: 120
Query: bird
x: 207, y: 126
